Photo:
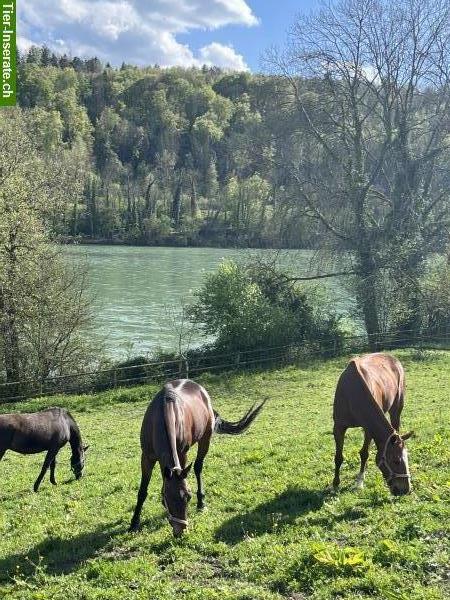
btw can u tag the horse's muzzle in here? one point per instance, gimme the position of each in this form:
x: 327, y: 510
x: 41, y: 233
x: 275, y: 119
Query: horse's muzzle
x: 400, y: 488
x: 400, y: 492
x: 178, y: 529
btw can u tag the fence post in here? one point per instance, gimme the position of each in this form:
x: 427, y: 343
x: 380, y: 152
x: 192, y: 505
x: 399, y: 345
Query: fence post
x: 115, y: 378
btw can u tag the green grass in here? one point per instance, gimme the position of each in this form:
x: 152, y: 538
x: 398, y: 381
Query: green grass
x: 271, y: 529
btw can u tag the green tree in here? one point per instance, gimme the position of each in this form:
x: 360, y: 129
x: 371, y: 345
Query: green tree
x: 43, y: 303
x: 371, y: 137
x: 250, y: 307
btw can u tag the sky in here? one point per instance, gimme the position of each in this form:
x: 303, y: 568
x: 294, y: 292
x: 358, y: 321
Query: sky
x: 232, y: 34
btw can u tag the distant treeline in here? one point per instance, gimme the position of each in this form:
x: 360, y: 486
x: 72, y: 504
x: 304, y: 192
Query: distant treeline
x: 169, y: 156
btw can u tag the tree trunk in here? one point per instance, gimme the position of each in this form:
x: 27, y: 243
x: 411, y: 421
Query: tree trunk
x: 367, y: 299
x: 176, y: 205
x: 75, y: 219
x: 10, y: 339
x: 8, y: 314
x: 194, y: 207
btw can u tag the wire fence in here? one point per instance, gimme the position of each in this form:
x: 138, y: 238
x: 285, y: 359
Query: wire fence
x: 197, y: 362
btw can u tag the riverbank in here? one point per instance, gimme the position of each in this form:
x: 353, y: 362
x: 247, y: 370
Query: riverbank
x: 172, y: 241
x: 271, y: 531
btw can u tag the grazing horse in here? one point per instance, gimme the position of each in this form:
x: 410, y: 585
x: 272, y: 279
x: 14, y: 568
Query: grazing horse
x: 179, y: 416
x: 50, y: 430
x: 370, y: 386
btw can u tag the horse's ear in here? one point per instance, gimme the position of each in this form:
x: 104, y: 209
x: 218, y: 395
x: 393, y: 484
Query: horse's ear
x: 86, y: 448
x: 185, y: 472
x: 408, y: 435
x: 168, y: 472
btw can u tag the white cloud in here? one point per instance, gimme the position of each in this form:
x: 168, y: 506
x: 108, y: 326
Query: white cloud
x: 136, y: 31
x: 24, y: 43
x: 222, y: 56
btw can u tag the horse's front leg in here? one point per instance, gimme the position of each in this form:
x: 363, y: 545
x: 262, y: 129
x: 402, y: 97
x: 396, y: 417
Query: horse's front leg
x: 203, y: 447
x: 147, y: 465
x: 47, y: 462
x: 52, y: 471
x: 339, y: 434
x: 364, y: 454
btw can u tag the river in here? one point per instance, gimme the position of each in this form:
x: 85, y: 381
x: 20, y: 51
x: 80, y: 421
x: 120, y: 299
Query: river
x: 138, y: 291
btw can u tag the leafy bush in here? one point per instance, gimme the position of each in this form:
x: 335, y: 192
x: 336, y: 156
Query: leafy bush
x: 248, y: 306
x: 418, y: 304
x: 435, y: 297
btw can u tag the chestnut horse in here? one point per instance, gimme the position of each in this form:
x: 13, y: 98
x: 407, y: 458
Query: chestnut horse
x: 369, y: 387
x: 50, y: 429
x: 179, y: 416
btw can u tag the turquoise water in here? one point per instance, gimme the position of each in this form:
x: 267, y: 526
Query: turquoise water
x: 139, y: 292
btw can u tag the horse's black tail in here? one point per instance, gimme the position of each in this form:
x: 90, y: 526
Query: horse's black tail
x: 237, y: 427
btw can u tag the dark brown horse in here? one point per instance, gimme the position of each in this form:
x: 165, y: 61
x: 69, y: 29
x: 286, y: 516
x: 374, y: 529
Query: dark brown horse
x: 178, y: 417
x: 48, y: 430
x: 369, y: 387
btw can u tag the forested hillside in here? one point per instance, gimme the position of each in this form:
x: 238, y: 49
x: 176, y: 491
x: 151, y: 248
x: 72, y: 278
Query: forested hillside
x: 180, y: 156
x: 344, y: 147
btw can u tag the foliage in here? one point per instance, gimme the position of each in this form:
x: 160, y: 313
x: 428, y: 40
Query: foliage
x: 335, y: 558
x: 167, y: 148
x: 247, y: 306
x: 421, y: 305
x: 370, y: 167
x: 44, y: 306
x: 340, y: 148
x: 269, y: 511
x: 435, y: 296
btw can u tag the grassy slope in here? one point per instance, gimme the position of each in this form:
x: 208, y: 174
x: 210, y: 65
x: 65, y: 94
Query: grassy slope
x: 271, y: 531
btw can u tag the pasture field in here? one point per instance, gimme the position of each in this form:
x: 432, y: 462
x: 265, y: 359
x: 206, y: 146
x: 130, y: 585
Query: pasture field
x: 271, y: 531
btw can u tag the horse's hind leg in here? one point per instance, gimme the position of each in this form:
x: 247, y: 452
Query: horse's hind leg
x: 339, y: 433
x: 146, y: 468
x: 364, y: 454
x: 203, y: 447
x: 47, y: 462
x: 52, y: 471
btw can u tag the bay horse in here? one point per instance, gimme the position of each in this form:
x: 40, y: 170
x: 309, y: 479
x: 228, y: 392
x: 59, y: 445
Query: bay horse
x: 370, y: 386
x: 47, y: 430
x: 179, y: 416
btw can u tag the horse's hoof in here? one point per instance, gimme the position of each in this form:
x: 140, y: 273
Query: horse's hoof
x: 134, y: 527
x: 36, y: 488
x: 201, y: 507
x: 53, y: 482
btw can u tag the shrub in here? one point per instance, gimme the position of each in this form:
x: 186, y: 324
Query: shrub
x: 419, y: 305
x: 435, y: 297
x: 248, y: 306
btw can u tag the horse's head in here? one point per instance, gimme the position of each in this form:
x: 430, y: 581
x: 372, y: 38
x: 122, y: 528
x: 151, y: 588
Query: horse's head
x: 176, y: 496
x: 77, y: 461
x: 392, y: 460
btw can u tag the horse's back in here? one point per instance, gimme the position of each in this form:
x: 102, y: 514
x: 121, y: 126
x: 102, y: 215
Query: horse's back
x: 194, y: 405
x: 29, y: 433
x: 370, y: 377
x: 384, y: 376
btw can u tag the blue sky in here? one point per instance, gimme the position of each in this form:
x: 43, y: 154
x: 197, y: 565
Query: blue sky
x: 229, y: 33
x: 275, y: 17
